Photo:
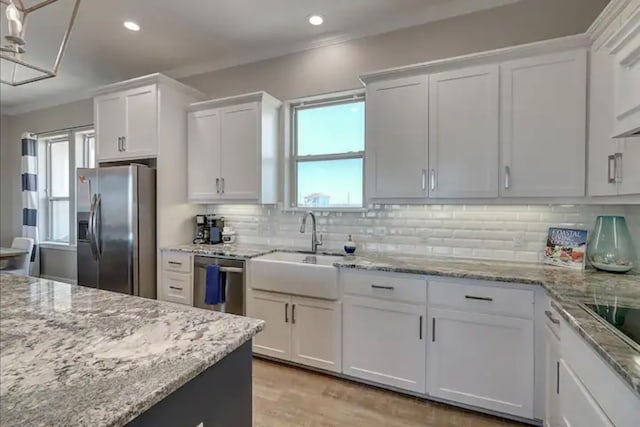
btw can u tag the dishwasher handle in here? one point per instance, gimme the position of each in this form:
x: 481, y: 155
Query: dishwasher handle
x: 231, y: 270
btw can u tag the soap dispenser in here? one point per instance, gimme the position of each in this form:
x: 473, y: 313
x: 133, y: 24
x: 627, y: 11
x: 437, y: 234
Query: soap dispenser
x: 350, y: 246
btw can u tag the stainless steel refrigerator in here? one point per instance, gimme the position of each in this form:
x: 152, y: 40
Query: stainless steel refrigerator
x: 116, y: 223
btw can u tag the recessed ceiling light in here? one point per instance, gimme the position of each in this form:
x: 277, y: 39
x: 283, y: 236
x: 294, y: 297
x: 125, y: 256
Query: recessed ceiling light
x: 316, y: 20
x: 130, y: 25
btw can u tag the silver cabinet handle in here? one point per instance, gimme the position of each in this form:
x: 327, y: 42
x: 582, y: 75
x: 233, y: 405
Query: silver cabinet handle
x: 478, y: 298
x: 549, y: 315
x: 293, y: 314
x: 174, y: 262
x: 420, y: 328
x: 175, y: 288
x: 507, y: 177
x: 120, y: 144
x: 124, y: 143
x: 424, y: 180
x: 286, y: 313
x: 386, y: 288
x: 218, y: 185
x: 433, y: 329
x: 222, y: 185
x: 433, y: 180
x: 611, y: 159
x: 618, y: 169
x: 558, y: 377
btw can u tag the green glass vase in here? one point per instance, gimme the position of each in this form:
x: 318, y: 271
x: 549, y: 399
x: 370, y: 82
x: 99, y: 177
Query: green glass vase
x: 610, y: 247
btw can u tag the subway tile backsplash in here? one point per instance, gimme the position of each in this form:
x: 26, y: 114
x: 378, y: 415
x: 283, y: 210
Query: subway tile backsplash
x: 504, y: 232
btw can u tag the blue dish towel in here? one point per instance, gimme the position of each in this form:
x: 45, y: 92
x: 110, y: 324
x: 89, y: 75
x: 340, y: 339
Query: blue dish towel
x: 213, y: 290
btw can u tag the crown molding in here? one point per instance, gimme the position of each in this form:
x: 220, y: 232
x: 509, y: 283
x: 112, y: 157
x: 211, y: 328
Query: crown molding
x: 606, y: 17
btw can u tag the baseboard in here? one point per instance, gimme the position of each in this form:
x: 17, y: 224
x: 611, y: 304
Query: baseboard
x: 59, y: 279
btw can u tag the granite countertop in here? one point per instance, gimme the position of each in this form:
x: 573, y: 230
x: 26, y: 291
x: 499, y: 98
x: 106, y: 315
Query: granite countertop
x: 567, y: 288
x: 75, y: 356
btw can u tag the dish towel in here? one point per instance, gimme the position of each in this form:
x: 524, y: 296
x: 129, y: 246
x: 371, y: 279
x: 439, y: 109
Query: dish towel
x: 213, y: 288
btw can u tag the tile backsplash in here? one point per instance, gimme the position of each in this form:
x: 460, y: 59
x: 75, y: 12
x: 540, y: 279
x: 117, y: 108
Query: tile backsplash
x: 504, y: 232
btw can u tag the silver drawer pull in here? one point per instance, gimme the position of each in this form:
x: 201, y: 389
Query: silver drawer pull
x: 174, y: 262
x: 386, y: 288
x: 550, y: 317
x: 175, y: 288
x: 478, y: 298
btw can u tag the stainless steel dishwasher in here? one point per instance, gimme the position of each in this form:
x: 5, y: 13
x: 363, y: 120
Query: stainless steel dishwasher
x: 232, y: 277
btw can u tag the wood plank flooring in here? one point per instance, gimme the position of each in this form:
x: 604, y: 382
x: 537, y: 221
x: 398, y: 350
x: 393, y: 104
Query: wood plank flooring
x: 284, y: 396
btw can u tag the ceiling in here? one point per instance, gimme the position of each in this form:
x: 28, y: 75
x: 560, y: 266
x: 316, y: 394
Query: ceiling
x: 187, y: 37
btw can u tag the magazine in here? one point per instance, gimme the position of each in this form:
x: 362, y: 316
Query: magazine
x: 566, y: 247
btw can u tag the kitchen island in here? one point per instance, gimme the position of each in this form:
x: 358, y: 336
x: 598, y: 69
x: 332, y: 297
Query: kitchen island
x: 75, y: 356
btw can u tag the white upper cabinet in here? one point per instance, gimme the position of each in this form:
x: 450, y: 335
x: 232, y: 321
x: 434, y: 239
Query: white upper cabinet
x: 233, y: 149
x: 396, y: 139
x: 543, y: 125
x: 239, y: 148
x: 127, y: 124
x: 204, y: 147
x: 141, y: 138
x: 463, y: 133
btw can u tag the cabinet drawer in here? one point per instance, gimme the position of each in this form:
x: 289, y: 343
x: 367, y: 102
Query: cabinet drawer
x: 177, y: 288
x: 176, y: 261
x: 390, y: 286
x: 480, y: 298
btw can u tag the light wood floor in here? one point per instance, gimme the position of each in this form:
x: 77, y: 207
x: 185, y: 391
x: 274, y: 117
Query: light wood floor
x: 284, y: 396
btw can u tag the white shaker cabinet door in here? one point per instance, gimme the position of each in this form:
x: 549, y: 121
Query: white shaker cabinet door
x: 275, y: 339
x: 384, y: 342
x: 110, y: 120
x: 204, y: 155
x: 543, y: 125
x: 141, y: 139
x: 463, y: 132
x: 481, y: 360
x: 578, y: 408
x: 316, y: 331
x: 396, y: 139
x: 629, y: 166
x: 552, y: 378
x: 240, y: 152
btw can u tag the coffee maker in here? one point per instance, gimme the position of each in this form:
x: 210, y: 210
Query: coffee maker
x: 215, y: 225
x: 202, y: 231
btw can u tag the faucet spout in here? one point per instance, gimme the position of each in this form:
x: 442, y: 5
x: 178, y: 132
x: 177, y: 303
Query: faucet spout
x: 315, y: 242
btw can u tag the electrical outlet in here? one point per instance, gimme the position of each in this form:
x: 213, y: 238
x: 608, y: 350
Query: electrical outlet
x: 518, y: 241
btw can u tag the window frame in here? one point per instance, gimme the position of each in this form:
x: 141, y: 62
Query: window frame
x: 45, y: 214
x: 291, y: 150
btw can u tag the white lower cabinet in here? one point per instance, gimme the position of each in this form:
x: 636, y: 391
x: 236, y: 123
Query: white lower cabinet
x: 578, y: 408
x: 384, y: 342
x: 275, y: 339
x: 301, y: 330
x: 481, y: 360
x: 552, y: 379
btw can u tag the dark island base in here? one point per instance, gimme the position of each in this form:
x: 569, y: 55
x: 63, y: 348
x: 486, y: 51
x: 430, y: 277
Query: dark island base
x: 220, y: 397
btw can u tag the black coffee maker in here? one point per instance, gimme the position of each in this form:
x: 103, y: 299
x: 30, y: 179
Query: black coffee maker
x: 215, y: 224
x: 202, y: 231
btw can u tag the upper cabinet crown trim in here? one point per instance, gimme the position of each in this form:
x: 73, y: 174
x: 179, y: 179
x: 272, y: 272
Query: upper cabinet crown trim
x: 260, y: 96
x: 156, y: 78
x: 606, y: 17
x: 481, y: 58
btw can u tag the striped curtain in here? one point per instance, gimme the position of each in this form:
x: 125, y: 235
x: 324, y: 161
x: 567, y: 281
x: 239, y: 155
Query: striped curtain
x: 30, y: 193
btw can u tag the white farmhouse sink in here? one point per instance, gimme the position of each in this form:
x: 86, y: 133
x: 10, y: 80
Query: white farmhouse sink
x: 295, y: 273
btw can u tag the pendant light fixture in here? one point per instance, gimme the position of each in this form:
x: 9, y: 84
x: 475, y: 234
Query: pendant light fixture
x: 15, y: 45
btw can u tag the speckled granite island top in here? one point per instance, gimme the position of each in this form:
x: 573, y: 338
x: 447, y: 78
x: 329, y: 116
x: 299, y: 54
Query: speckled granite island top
x: 74, y: 356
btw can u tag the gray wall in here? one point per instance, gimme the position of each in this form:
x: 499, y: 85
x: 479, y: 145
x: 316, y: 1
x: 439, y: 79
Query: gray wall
x: 322, y: 70
x: 337, y: 67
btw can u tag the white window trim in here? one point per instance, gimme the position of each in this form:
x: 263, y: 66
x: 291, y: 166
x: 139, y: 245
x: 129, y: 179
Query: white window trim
x: 291, y: 158
x: 44, y: 214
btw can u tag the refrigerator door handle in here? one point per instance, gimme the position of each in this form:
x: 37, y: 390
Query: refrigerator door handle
x: 97, y: 226
x: 90, y: 233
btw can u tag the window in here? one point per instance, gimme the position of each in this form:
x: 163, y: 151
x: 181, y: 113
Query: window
x: 328, y: 153
x: 64, y: 152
